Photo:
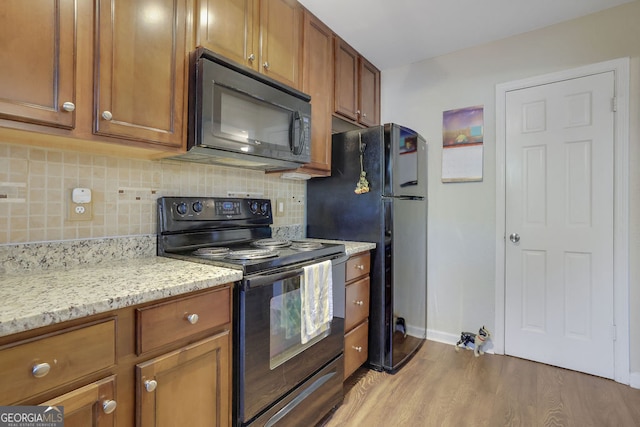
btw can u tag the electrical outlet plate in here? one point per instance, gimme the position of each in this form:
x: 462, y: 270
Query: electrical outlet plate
x: 280, y: 202
x: 80, y: 211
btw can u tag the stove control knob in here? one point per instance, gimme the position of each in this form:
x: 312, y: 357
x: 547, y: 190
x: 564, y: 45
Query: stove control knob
x: 264, y: 208
x: 181, y: 208
x: 254, y: 207
x: 197, y: 207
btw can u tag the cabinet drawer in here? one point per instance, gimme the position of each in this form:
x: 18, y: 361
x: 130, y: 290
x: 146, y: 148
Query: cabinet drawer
x: 164, y: 323
x: 356, y: 348
x: 357, y: 303
x: 357, y: 266
x: 70, y: 355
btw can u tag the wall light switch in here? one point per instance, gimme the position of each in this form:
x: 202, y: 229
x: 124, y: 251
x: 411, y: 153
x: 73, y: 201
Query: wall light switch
x: 280, y: 207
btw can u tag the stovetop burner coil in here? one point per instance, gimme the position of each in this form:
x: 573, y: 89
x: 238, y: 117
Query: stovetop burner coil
x: 252, y: 254
x: 216, y: 252
x: 305, y: 245
x: 271, y: 243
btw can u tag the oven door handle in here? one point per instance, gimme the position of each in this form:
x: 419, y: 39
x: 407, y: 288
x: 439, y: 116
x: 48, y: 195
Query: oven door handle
x: 268, y: 279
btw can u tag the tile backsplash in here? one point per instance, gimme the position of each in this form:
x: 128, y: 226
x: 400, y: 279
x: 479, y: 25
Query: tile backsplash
x: 36, y: 184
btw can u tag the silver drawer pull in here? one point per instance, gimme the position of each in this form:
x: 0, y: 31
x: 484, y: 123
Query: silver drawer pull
x: 150, y: 385
x: 40, y: 370
x: 108, y: 406
x: 192, y: 318
x: 358, y: 349
x: 358, y: 302
x: 360, y: 267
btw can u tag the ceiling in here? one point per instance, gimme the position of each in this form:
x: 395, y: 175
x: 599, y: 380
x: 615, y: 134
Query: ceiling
x: 392, y: 33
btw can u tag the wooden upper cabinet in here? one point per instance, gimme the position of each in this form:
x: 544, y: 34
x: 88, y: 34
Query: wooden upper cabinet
x: 317, y: 81
x: 368, y: 93
x: 141, y: 65
x: 37, y: 62
x: 226, y: 27
x: 280, y: 23
x: 346, y: 80
x: 263, y: 35
x: 356, y: 86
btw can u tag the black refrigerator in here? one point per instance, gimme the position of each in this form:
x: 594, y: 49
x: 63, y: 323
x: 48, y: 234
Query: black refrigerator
x: 377, y: 192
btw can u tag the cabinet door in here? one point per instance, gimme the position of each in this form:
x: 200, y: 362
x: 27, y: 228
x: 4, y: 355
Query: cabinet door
x: 317, y: 81
x: 141, y: 62
x: 37, y: 73
x: 369, y: 93
x: 346, y: 85
x: 92, y: 405
x: 187, y: 387
x: 280, y: 24
x: 227, y: 27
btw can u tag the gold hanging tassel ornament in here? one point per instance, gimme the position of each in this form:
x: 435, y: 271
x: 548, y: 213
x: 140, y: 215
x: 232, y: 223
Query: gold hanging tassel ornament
x: 363, y: 185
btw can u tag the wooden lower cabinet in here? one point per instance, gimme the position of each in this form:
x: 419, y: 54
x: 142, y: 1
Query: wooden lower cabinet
x: 115, y: 368
x: 189, y: 386
x: 356, y: 322
x: 91, y: 405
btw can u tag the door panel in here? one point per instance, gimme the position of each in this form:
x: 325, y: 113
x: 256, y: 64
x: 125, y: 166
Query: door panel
x: 559, y: 201
x: 38, y: 94
x: 140, y: 81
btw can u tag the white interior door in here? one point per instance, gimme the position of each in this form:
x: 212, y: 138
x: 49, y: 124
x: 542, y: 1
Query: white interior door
x: 559, y: 224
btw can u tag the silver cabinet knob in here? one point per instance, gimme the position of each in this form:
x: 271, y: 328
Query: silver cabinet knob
x: 251, y: 57
x: 108, y: 406
x: 364, y: 115
x: 192, y: 318
x: 358, y: 349
x: 357, y: 111
x: 40, y: 370
x: 358, y: 302
x: 266, y: 65
x: 68, y: 106
x: 107, y: 115
x: 514, y: 237
x: 150, y: 385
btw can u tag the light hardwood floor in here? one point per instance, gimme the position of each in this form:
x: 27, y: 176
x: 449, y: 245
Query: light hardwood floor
x: 442, y: 387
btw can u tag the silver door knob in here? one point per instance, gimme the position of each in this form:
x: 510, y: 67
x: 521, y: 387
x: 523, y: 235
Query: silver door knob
x: 107, y: 115
x: 150, y: 385
x: 514, y: 237
x: 108, y: 406
x: 40, y: 370
x: 192, y: 318
x: 68, y: 106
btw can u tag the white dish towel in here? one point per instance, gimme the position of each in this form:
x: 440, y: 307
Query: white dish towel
x: 316, y: 295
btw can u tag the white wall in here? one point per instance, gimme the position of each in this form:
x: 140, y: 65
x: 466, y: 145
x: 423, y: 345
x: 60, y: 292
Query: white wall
x: 461, y: 259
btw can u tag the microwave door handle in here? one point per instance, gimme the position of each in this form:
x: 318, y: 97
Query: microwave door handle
x: 267, y: 279
x: 296, y: 134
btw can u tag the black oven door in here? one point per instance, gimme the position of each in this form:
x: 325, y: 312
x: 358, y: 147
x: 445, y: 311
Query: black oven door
x: 271, y: 360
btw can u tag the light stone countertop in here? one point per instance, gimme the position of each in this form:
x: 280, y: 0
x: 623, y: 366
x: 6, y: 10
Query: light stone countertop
x: 53, y: 283
x: 350, y: 248
x: 43, y: 298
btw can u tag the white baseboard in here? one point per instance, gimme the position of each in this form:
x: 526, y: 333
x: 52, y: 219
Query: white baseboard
x: 443, y: 337
x: 634, y: 380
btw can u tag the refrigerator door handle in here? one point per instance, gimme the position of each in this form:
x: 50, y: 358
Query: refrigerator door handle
x: 408, y: 183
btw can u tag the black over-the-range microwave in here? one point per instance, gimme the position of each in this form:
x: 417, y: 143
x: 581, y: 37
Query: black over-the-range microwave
x: 238, y: 117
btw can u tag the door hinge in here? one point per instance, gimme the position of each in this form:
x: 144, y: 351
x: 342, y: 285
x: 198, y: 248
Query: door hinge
x: 614, y: 104
x: 613, y: 332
